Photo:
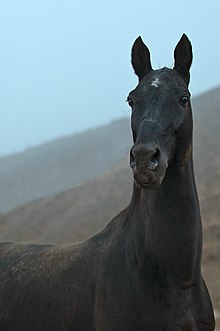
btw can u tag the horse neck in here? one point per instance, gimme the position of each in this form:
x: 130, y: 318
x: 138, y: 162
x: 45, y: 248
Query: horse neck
x: 167, y: 224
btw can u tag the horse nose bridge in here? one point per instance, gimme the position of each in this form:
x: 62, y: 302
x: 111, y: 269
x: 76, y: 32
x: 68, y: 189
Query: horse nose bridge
x: 144, y: 148
x: 149, y: 130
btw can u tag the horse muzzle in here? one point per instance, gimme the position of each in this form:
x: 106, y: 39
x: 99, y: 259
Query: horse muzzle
x: 148, y: 165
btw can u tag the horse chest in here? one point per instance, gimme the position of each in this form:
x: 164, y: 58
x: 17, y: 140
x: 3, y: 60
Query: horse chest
x: 137, y: 308
x: 145, y: 318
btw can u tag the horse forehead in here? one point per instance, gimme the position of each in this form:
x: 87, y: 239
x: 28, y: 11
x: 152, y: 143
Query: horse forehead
x: 161, y: 77
x: 166, y: 77
x: 158, y: 83
x: 155, y: 82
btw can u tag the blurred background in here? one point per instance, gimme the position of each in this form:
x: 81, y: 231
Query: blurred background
x: 65, y: 74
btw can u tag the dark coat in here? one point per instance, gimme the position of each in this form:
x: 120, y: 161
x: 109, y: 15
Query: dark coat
x: 143, y: 271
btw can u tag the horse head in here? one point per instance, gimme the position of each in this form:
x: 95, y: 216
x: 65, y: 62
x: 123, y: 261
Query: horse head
x: 161, y: 119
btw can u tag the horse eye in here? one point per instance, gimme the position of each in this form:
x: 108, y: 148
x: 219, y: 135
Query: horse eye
x: 130, y: 102
x: 184, y: 100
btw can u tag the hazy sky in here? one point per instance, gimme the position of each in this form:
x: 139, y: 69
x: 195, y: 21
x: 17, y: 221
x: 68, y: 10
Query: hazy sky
x: 65, y: 64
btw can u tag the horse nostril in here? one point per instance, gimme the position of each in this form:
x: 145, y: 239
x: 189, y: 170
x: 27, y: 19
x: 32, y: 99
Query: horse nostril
x: 145, y: 156
x: 132, y: 160
x: 152, y: 164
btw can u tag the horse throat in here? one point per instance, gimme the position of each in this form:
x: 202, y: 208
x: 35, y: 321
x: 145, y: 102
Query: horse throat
x: 167, y: 221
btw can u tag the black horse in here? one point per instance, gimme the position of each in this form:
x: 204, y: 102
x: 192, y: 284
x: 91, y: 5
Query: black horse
x: 143, y: 271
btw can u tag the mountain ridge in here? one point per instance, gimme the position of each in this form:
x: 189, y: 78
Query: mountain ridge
x: 78, y: 212
x: 71, y: 161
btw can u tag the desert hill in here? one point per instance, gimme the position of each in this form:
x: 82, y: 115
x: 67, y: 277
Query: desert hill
x: 80, y: 211
x: 61, y: 164
x: 91, y: 172
x: 73, y: 161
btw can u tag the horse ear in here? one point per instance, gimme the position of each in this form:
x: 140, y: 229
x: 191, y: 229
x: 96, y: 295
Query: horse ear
x: 140, y: 58
x: 183, y: 58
